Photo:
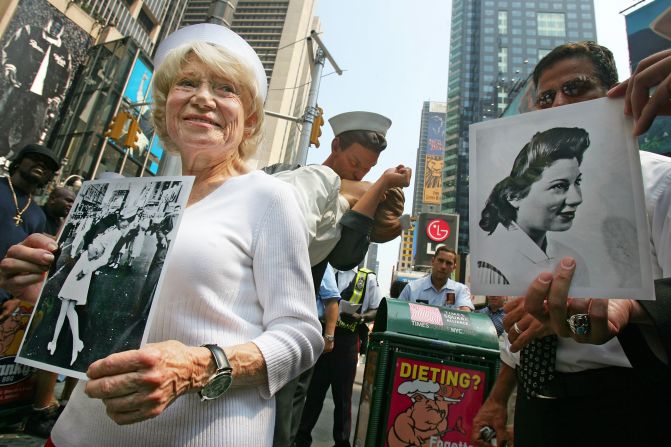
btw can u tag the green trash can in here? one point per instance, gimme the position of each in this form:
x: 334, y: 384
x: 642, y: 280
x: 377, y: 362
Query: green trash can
x: 428, y: 371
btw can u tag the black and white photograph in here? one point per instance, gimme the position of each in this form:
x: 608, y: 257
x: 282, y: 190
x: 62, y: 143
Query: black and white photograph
x: 556, y: 183
x: 98, y: 296
x: 41, y: 50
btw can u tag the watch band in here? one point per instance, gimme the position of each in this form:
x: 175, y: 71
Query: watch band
x: 219, y: 357
x: 328, y: 337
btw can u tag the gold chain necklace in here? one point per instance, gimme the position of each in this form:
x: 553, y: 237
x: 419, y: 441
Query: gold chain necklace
x: 18, y: 219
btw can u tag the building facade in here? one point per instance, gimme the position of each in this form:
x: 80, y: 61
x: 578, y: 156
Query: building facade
x: 107, y: 40
x: 428, y: 174
x: 146, y: 21
x: 277, y: 29
x: 430, y: 156
x: 494, y: 45
x: 405, y: 250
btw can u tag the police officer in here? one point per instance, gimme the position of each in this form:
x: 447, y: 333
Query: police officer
x: 360, y: 299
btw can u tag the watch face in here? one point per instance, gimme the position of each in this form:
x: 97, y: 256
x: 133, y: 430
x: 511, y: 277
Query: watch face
x: 217, y: 385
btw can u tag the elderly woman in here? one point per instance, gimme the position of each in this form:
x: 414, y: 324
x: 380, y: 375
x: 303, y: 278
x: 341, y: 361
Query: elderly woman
x: 541, y: 194
x: 235, y: 318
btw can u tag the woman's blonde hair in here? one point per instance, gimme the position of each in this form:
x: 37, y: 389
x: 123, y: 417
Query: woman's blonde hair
x: 223, y: 63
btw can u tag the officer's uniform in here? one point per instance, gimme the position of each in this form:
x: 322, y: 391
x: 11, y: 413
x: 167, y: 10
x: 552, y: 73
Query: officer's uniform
x: 337, y: 369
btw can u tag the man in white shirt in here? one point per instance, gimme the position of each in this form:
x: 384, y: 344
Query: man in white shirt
x: 437, y: 289
x: 584, y: 402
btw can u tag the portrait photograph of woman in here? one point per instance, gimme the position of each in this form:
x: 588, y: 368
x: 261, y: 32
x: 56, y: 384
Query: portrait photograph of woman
x: 557, y: 183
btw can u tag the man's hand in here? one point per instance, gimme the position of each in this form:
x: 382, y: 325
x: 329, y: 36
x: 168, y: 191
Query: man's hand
x: 492, y: 414
x: 494, y: 411
x: 653, y: 71
x: 547, y: 300
x: 25, y: 266
x: 518, y: 319
x: 329, y: 345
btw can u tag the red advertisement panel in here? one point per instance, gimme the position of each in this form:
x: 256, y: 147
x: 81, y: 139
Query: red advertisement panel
x: 433, y: 404
x: 17, y: 385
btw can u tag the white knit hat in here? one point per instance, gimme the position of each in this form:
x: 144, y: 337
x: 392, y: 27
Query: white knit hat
x: 360, y: 121
x: 217, y: 35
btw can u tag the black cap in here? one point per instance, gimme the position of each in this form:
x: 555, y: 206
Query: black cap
x: 37, y: 149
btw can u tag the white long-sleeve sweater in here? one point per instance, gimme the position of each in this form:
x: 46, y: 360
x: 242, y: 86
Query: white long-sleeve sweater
x: 238, y: 271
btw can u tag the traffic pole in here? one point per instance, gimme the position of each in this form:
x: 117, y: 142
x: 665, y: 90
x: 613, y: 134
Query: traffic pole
x: 311, y: 108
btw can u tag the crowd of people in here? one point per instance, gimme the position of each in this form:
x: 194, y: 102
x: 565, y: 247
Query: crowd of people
x: 263, y: 307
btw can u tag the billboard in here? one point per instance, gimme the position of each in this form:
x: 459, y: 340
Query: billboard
x: 138, y: 91
x: 433, y: 400
x: 41, y: 50
x: 432, y: 231
x: 649, y: 31
x: 435, y: 147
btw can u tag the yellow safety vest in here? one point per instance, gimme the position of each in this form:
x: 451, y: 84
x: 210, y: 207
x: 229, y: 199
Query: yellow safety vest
x: 357, y: 297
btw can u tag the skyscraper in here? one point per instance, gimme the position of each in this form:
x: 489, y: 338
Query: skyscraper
x: 428, y: 173
x: 405, y: 250
x: 428, y: 170
x: 276, y: 29
x: 494, y: 44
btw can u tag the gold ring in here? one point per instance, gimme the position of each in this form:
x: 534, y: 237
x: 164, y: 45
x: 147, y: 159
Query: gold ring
x: 516, y: 328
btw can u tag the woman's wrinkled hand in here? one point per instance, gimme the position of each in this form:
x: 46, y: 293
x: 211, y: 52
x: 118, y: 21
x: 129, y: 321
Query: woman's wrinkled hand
x: 25, y: 266
x: 140, y: 384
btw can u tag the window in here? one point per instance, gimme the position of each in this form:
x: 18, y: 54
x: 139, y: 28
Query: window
x: 551, y: 24
x: 145, y: 21
x: 503, y: 60
x: 503, y: 22
x: 542, y: 53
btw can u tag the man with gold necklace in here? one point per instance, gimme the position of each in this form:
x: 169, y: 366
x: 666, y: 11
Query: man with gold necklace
x: 33, y: 168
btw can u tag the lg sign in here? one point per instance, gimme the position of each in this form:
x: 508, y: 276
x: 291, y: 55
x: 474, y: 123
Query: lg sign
x: 432, y: 231
x: 437, y: 230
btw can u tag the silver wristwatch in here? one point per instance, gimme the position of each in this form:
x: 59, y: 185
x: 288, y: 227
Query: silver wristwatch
x: 222, y: 378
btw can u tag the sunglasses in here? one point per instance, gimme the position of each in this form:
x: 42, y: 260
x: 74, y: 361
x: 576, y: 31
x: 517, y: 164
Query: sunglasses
x: 573, y: 88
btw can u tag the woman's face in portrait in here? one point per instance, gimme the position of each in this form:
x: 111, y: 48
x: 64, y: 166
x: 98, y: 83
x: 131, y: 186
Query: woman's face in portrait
x: 552, y: 200
x: 204, y: 111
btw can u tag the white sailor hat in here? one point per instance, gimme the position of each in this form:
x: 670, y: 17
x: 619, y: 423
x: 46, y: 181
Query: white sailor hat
x: 360, y: 121
x: 217, y: 35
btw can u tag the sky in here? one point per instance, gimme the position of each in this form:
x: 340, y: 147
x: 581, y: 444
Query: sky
x: 394, y: 55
